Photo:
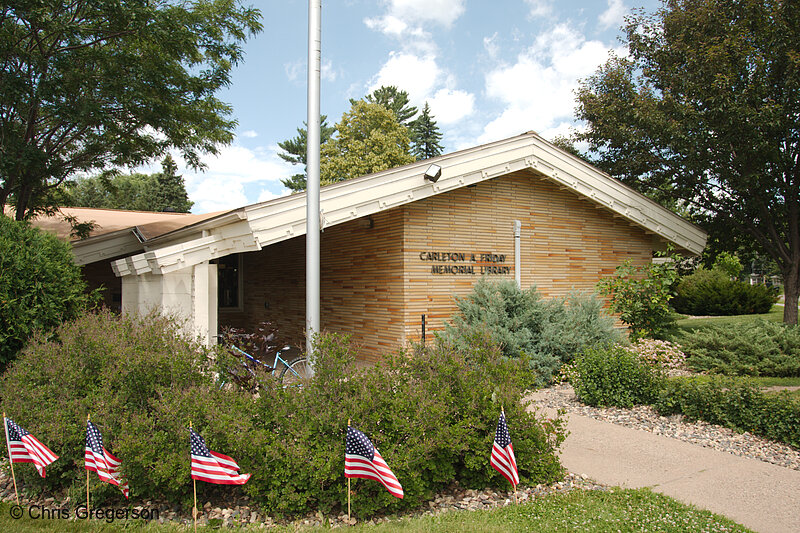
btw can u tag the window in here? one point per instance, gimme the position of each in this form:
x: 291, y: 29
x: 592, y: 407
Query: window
x: 229, y: 276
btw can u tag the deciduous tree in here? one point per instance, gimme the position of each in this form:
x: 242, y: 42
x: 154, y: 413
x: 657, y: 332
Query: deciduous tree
x: 369, y: 139
x: 93, y: 84
x: 706, y: 109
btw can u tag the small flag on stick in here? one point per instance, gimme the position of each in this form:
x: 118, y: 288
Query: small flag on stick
x: 503, y: 459
x: 25, y: 448
x: 98, y: 459
x: 362, y: 460
x: 213, y: 467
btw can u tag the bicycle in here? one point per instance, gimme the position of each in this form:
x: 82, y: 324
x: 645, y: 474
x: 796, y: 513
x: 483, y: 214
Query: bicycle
x: 293, y: 372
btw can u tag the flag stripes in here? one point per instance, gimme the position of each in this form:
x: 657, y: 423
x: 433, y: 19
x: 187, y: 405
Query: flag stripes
x: 98, y: 459
x: 213, y: 467
x: 25, y: 448
x: 502, y: 458
x: 362, y: 460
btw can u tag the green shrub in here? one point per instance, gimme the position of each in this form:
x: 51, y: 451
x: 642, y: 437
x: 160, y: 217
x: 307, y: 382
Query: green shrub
x: 432, y: 415
x: 712, y: 292
x: 663, y: 355
x: 547, y: 332
x: 734, y: 403
x: 141, y: 380
x: 641, y: 296
x: 757, y: 348
x: 614, y: 376
x: 40, y: 285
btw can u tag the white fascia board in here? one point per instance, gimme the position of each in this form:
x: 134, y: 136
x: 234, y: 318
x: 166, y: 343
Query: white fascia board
x: 219, y: 242
x: 105, y: 247
x: 284, y: 218
x: 577, y: 175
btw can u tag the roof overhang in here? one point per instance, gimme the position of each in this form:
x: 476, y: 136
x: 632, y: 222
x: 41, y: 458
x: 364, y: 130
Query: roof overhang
x: 255, y: 226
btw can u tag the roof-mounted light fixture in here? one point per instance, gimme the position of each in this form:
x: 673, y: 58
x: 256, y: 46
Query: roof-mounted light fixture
x: 433, y: 173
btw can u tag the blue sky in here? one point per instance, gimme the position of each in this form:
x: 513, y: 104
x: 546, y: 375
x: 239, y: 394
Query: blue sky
x: 489, y: 69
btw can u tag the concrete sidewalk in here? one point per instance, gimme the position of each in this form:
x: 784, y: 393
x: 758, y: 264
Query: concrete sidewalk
x: 759, y: 495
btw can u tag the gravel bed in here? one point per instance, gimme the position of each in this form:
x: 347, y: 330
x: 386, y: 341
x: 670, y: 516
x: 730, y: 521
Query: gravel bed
x: 676, y: 427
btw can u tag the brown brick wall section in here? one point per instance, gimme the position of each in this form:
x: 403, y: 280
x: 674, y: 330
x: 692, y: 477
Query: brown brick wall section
x: 566, y: 242
x: 361, y: 285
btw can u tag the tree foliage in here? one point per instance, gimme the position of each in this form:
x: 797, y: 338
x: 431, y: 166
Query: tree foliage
x: 40, y: 285
x: 395, y: 100
x: 641, y: 295
x: 425, y: 136
x: 88, y: 85
x: 706, y: 109
x: 369, y: 139
x: 163, y: 191
x: 296, y: 151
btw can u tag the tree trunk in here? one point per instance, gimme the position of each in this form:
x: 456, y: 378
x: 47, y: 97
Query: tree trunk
x: 791, y: 290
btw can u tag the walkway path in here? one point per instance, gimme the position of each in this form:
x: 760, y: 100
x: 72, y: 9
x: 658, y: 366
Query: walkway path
x: 759, y: 495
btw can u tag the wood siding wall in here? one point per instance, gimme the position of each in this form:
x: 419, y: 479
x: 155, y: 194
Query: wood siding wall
x: 375, y: 287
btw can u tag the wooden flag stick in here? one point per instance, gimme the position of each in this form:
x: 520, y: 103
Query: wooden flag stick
x: 10, y: 462
x: 88, y: 418
x: 348, y: 483
x: 194, y: 483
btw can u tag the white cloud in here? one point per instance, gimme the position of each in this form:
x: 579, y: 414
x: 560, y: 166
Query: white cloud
x: 491, y: 46
x: 404, y: 13
x: 267, y: 195
x: 249, y: 134
x: 538, y: 89
x: 293, y: 70
x: 613, y: 16
x: 449, y: 106
x: 425, y: 81
x: 414, y: 74
x: 222, y: 185
x: 539, y: 8
x: 328, y: 73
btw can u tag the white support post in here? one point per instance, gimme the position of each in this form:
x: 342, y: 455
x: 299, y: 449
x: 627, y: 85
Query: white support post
x: 517, y: 252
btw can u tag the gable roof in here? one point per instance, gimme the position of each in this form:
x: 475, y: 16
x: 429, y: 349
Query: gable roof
x: 252, y: 227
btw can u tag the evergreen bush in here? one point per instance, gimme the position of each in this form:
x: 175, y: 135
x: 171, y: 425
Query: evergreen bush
x: 615, y: 376
x: 548, y: 333
x: 713, y: 292
x: 40, y: 285
x: 432, y: 416
x: 757, y: 348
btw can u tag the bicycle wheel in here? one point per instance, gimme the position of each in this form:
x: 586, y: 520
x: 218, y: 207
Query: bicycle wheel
x: 296, y: 372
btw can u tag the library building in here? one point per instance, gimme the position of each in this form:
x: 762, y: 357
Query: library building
x: 396, y: 246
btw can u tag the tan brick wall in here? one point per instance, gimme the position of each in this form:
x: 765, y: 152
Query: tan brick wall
x: 375, y: 287
x: 566, y: 242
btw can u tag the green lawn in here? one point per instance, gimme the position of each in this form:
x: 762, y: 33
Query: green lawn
x: 689, y: 324
x: 595, y: 511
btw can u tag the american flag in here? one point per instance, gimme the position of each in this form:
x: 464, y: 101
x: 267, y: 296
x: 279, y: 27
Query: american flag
x: 98, y: 459
x: 25, y: 448
x: 211, y: 466
x: 503, y: 459
x: 361, y: 459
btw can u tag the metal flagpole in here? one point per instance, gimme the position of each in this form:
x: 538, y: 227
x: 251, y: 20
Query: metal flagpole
x: 10, y: 462
x: 194, y: 481
x: 312, y: 181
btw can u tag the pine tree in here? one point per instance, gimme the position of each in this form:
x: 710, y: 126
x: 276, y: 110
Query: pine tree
x: 393, y: 99
x: 295, y: 149
x: 425, y: 136
x: 170, y: 193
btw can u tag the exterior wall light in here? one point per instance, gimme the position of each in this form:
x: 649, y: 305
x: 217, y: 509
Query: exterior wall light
x: 433, y: 173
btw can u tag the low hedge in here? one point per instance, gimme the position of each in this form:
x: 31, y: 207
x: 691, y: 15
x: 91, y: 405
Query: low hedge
x: 734, y: 403
x: 432, y: 415
x: 713, y: 292
x: 757, y: 348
